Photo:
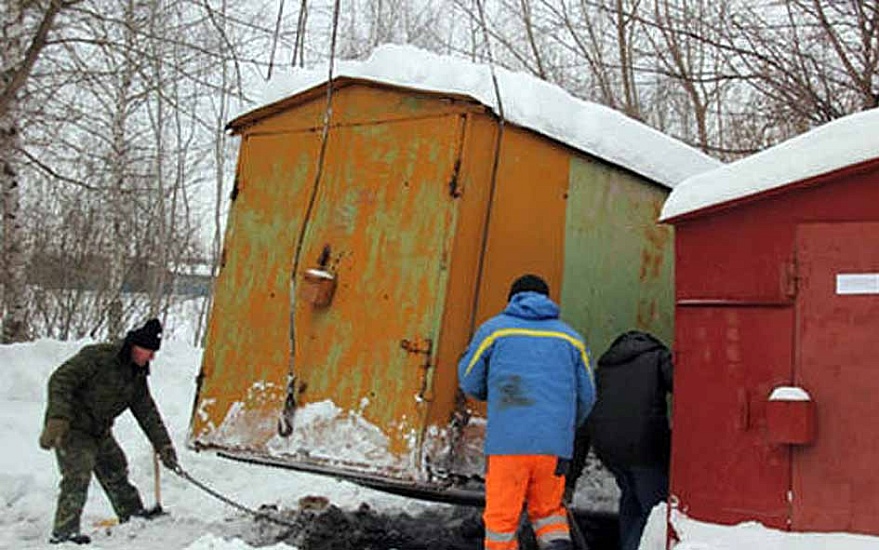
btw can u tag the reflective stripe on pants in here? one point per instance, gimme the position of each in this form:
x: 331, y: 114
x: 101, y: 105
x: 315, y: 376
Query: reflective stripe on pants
x: 514, y: 480
x: 501, y: 541
x: 550, y: 528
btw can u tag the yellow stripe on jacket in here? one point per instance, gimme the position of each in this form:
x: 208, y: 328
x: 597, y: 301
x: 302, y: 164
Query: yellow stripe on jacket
x: 491, y: 338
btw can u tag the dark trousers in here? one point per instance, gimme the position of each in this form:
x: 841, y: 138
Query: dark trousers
x: 79, y: 456
x: 642, y: 488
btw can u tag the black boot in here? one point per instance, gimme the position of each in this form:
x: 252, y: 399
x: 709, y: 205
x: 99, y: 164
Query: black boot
x: 145, y: 513
x: 77, y: 538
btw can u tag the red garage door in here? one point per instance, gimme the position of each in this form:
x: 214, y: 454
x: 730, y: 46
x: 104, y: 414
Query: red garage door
x: 729, y: 359
x: 835, y: 486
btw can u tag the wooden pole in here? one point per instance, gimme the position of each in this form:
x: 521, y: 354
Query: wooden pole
x: 157, y: 486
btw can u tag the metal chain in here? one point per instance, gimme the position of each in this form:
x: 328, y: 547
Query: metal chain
x: 578, y: 534
x: 255, y: 513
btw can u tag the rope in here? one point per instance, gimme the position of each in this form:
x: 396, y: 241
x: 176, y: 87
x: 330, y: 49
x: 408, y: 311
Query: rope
x: 328, y: 111
x: 306, y: 219
x: 494, y: 169
x: 238, y: 506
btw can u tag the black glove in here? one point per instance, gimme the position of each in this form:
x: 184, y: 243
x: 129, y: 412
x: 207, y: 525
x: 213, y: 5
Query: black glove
x: 54, y: 433
x: 168, y: 456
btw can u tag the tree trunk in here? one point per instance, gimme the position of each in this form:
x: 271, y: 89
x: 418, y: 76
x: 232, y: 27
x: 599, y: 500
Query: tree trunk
x: 14, y: 260
x: 13, y: 254
x: 119, y: 250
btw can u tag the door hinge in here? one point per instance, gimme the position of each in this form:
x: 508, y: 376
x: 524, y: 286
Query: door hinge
x: 454, y: 186
x: 790, y: 279
x: 420, y: 346
x: 235, y: 188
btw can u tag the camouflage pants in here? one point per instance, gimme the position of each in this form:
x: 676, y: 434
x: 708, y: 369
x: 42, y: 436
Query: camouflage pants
x: 79, y: 456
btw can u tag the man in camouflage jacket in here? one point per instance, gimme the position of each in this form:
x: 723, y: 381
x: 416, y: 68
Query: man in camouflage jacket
x: 86, y: 394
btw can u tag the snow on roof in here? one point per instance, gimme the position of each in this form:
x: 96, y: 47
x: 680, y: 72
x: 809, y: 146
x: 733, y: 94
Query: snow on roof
x: 527, y: 101
x: 838, y: 144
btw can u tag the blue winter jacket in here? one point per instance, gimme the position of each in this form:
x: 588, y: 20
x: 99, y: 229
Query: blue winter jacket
x: 534, y: 371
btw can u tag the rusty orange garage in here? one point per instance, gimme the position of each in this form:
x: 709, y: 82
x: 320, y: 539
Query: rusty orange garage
x: 361, y: 253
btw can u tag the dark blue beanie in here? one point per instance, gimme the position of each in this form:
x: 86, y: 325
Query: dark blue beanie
x: 528, y: 282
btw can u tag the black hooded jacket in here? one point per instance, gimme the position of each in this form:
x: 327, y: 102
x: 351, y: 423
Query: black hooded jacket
x: 629, y: 423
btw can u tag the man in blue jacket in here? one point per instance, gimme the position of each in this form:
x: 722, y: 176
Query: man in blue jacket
x: 533, y: 370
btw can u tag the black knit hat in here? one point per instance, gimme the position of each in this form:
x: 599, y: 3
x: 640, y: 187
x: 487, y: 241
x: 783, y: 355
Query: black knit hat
x: 149, y: 336
x: 527, y: 283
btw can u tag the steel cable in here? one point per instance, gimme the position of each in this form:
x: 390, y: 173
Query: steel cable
x: 237, y: 505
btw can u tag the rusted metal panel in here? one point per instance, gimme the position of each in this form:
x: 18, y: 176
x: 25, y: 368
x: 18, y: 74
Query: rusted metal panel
x: 382, y: 226
x: 526, y: 232
x: 244, y: 369
x: 618, y: 260
x: 361, y: 103
x: 454, y: 445
x: 525, y: 217
x: 385, y: 217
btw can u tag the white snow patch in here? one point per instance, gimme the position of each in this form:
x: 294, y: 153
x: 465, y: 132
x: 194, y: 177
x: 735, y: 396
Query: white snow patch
x: 246, y: 423
x: 698, y: 535
x: 527, y: 101
x: 213, y: 542
x: 326, y: 432
x: 789, y: 393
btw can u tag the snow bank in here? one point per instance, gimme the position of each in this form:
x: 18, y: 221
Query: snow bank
x: 697, y: 535
x: 29, y: 478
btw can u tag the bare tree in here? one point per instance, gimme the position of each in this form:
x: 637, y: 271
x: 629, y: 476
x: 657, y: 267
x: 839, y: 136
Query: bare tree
x: 806, y: 62
x: 690, y: 62
x: 119, y: 120
x: 22, y: 44
x: 112, y: 113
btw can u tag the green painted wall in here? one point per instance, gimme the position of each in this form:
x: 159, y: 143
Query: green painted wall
x: 618, y: 272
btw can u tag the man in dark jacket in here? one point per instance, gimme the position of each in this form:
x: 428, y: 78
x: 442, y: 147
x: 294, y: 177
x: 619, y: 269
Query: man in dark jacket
x: 533, y: 370
x: 629, y: 426
x: 86, y: 394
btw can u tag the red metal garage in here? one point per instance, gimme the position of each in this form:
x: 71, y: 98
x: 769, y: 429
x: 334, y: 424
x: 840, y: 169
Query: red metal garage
x: 777, y: 288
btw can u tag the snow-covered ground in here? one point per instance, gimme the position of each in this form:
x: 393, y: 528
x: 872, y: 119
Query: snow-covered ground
x: 28, y: 477
x: 696, y: 535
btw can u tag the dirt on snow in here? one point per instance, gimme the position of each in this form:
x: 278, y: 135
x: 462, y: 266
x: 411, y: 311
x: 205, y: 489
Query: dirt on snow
x: 322, y: 526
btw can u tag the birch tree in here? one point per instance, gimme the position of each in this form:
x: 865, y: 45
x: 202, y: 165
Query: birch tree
x: 25, y: 30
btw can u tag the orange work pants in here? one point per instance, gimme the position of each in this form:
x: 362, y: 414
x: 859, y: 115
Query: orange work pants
x: 514, y: 480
